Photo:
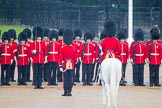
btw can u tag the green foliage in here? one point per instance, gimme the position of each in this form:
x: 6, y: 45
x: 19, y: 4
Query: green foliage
x: 18, y: 28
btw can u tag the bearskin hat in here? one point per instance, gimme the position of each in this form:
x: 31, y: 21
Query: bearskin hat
x: 139, y: 35
x: 46, y: 31
x: 5, y: 36
x: 12, y: 33
x: 37, y: 32
x: 155, y: 34
x: 61, y: 31
x: 77, y: 32
x: 93, y: 34
x: 110, y: 28
x: 28, y: 31
x: 121, y: 34
x: 53, y: 34
x: 88, y: 35
x: 68, y: 36
x: 102, y: 35
x: 22, y: 37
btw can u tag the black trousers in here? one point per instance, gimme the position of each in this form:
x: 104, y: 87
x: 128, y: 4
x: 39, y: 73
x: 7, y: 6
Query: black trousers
x: 53, y: 66
x: 5, y: 73
x: 96, y: 72
x: 124, y: 70
x: 154, y: 74
x: 22, y: 72
x: 93, y: 67
x: 77, y: 70
x: 87, y: 72
x: 68, y: 80
x: 138, y: 73
x: 12, y: 70
x: 28, y: 72
x: 45, y: 72
x: 59, y: 75
x: 38, y: 70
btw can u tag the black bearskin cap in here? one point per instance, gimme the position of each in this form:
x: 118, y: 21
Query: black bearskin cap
x: 121, y: 34
x: 68, y: 36
x: 155, y: 34
x: 37, y: 32
x: 12, y: 33
x: 139, y: 35
x: 53, y: 34
x: 102, y: 35
x: 77, y: 32
x: 28, y: 32
x: 110, y: 28
x: 61, y: 31
x: 46, y: 31
x: 22, y: 36
x: 88, y: 35
x: 5, y: 36
x: 93, y: 34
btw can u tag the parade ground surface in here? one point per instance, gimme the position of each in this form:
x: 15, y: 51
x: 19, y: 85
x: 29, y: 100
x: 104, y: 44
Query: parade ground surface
x: 83, y: 96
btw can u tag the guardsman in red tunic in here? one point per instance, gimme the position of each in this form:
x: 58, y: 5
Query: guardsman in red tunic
x: 29, y: 47
x: 154, y: 56
x: 53, y: 56
x: 96, y: 52
x: 39, y: 57
x: 46, y: 41
x: 12, y: 34
x: 124, y: 56
x: 88, y: 58
x: 22, y: 58
x: 78, y: 44
x: 61, y: 42
x: 110, y: 45
x: 137, y: 57
x: 6, y: 59
x: 67, y: 58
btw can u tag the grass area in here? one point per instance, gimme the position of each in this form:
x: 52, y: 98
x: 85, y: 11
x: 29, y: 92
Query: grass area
x: 18, y: 28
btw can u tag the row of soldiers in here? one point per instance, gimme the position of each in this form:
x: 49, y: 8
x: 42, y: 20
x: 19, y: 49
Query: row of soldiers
x: 45, y: 53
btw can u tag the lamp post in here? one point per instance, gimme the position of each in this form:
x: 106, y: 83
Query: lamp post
x: 130, y: 22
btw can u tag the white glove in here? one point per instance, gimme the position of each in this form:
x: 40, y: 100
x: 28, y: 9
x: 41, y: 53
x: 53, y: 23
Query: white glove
x: 31, y: 60
x: 45, y: 61
x: 131, y: 60
x: 11, y: 61
x: 146, y: 60
x: 34, y: 51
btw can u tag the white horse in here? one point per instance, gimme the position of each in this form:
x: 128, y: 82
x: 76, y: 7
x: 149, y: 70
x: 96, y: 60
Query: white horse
x: 111, y: 73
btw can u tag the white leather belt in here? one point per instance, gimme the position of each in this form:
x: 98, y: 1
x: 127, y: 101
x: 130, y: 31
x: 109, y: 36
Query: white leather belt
x: 87, y: 54
x: 155, y: 54
x: 5, y: 54
x: 22, y: 55
x: 123, y: 54
x: 139, y: 54
x: 53, y: 52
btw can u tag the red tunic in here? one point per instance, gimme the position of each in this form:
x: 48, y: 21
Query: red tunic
x: 6, y: 54
x: 111, y: 46
x: 67, y: 57
x: 14, y: 46
x: 137, y: 52
x: 23, y: 55
x: 88, y: 53
x: 154, y: 52
x: 96, y: 47
x: 124, y: 52
x: 41, y: 52
x: 53, y: 51
x: 78, y: 46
